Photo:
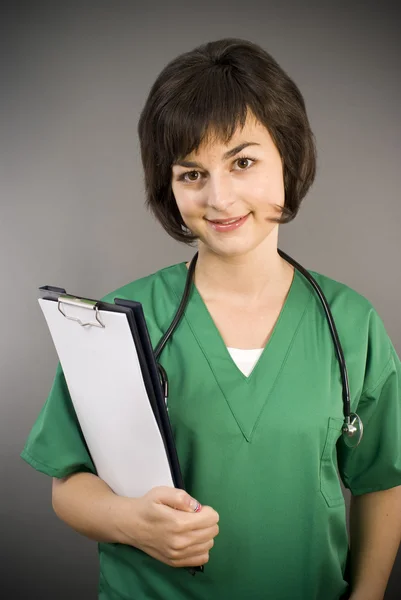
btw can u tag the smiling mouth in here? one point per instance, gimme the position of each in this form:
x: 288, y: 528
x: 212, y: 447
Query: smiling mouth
x: 226, y: 221
x: 226, y: 225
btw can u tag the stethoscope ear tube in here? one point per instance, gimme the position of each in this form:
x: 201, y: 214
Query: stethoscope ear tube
x: 333, y: 330
x: 352, y: 428
x: 180, y: 311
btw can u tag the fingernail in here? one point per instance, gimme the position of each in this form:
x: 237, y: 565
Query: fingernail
x: 194, y: 505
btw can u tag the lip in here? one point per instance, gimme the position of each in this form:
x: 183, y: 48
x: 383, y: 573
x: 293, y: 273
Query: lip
x: 222, y: 225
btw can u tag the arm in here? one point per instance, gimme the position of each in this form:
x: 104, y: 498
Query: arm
x: 375, y: 528
x: 165, y: 523
x: 88, y: 505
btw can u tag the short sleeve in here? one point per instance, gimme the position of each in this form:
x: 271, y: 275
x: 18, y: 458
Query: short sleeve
x: 376, y: 463
x: 55, y: 445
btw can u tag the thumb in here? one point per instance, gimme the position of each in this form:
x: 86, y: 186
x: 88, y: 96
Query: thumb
x: 176, y: 498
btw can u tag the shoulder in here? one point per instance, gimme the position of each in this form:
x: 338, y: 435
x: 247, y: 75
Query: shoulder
x: 360, y: 327
x: 341, y: 294
x: 144, y: 288
x: 349, y: 306
x: 159, y: 294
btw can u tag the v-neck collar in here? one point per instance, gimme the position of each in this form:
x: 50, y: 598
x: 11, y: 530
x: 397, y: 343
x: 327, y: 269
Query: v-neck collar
x: 246, y: 396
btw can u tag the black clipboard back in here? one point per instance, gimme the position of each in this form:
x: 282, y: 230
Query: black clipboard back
x: 153, y: 384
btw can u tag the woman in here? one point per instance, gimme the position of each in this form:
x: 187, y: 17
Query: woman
x: 255, y: 390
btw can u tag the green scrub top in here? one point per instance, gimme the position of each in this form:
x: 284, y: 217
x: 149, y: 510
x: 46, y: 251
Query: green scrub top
x: 262, y: 450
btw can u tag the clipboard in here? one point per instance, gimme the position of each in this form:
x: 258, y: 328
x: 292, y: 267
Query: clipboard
x: 78, y: 327
x: 59, y: 309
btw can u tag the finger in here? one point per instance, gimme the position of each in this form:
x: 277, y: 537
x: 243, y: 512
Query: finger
x: 202, y: 536
x: 183, y: 545
x: 175, y: 498
x: 198, y: 549
x: 194, y: 561
x: 204, y: 519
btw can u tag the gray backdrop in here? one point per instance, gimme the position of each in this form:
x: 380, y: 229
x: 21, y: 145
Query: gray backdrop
x: 74, y: 78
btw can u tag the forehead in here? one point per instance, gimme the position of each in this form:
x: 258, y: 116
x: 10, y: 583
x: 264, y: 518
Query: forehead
x: 214, y: 141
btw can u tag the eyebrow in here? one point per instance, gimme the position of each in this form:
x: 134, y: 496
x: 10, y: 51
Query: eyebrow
x: 226, y: 156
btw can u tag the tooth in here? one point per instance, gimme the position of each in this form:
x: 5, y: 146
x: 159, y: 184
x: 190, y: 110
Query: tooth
x: 227, y: 222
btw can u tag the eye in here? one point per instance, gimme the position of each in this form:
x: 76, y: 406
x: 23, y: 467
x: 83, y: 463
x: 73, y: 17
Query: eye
x: 246, y: 160
x: 189, y: 176
x: 243, y: 162
x: 192, y: 175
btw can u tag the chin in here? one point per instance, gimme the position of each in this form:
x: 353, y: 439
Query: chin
x: 228, y: 248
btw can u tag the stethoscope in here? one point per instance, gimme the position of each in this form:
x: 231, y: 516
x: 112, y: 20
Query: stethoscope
x: 352, y: 429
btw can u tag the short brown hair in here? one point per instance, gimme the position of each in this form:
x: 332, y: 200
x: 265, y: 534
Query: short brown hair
x: 212, y: 88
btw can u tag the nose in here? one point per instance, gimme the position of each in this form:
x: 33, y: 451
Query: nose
x: 220, y: 196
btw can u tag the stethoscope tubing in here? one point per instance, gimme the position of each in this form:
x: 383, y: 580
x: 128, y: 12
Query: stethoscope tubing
x: 348, y: 426
x: 333, y: 331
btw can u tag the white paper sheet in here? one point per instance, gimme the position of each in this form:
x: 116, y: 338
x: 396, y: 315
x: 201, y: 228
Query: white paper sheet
x: 108, y: 393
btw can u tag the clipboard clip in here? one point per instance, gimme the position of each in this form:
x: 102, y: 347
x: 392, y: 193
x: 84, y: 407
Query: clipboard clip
x: 83, y: 303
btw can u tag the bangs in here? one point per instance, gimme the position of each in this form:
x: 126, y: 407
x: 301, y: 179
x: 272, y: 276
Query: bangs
x: 209, y: 109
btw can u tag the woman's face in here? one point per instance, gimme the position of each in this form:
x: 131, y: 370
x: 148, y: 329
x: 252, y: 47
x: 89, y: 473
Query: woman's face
x: 226, y: 193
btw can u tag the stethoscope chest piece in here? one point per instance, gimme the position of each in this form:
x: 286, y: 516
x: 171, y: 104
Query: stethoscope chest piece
x: 352, y: 431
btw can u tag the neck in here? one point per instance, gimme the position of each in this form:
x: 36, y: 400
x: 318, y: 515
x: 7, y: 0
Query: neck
x: 245, y: 277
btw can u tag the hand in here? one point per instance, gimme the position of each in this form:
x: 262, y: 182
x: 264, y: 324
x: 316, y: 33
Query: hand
x: 167, y: 528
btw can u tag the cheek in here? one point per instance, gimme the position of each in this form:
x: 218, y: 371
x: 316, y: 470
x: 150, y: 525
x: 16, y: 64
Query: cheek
x: 186, y: 204
x: 266, y: 192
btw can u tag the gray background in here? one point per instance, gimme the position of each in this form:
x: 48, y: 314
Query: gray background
x: 74, y: 77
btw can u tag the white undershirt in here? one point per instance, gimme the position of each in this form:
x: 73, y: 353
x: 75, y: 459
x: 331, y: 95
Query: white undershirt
x: 245, y: 359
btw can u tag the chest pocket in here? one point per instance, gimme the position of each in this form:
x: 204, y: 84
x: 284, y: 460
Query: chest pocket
x: 330, y: 486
